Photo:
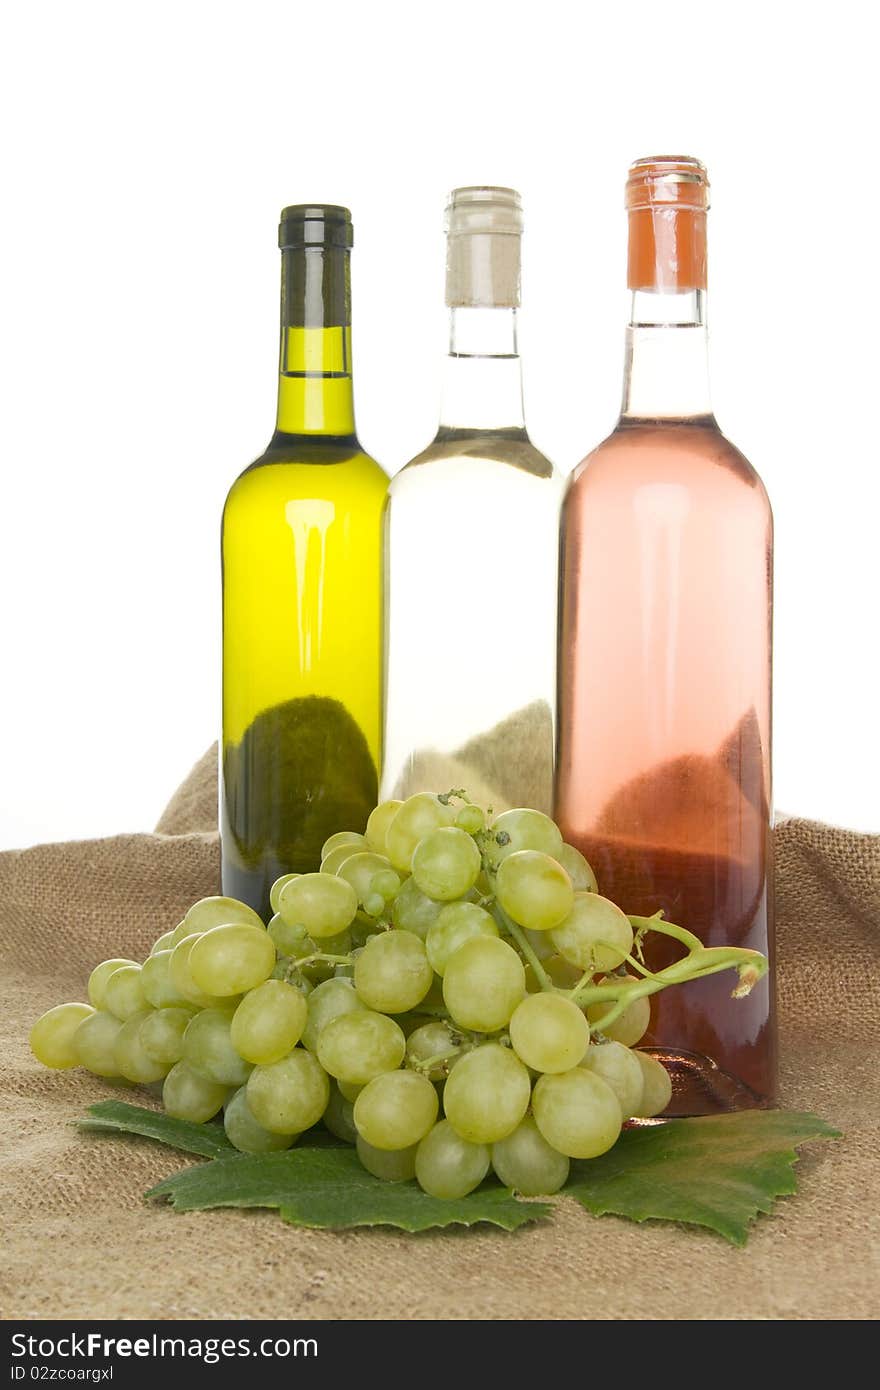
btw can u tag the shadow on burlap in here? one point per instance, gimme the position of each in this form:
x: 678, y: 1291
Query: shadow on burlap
x: 79, y: 1242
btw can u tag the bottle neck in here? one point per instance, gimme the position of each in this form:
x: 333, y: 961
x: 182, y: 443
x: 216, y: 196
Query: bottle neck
x: 315, y: 395
x: 666, y: 375
x: 482, y: 382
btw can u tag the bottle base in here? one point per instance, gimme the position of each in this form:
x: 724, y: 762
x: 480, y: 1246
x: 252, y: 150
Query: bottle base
x: 701, y: 1087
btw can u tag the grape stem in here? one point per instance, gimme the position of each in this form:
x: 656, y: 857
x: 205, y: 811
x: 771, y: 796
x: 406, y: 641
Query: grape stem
x: 641, y: 925
x: 699, y: 962
x: 524, y: 945
x: 430, y: 1062
x: 296, y: 966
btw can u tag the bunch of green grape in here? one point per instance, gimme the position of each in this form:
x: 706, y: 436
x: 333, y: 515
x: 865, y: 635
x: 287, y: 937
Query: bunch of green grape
x: 418, y: 995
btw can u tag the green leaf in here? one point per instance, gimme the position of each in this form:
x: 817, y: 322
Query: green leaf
x: 717, y: 1171
x: 328, y: 1188
x: 208, y: 1140
x: 117, y: 1116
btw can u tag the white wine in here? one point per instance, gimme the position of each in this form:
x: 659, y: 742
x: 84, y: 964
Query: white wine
x: 302, y: 610
x: 472, y: 543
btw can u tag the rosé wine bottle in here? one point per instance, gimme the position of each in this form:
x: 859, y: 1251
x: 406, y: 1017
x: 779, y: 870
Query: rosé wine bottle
x: 665, y: 661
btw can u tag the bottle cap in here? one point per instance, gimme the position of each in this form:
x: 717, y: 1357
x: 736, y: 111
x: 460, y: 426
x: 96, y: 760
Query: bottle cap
x: 483, y: 230
x: 667, y: 197
x: 671, y: 180
x: 315, y: 224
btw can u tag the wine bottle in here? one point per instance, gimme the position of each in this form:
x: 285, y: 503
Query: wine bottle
x: 301, y: 542
x: 472, y: 550
x: 665, y: 659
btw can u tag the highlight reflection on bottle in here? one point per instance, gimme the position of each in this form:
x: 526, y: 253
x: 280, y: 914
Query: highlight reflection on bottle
x: 665, y: 659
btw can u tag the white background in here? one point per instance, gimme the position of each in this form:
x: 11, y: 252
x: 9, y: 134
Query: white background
x: 147, y: 151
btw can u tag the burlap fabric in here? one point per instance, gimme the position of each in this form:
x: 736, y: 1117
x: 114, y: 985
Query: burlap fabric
x: 79, y: 1242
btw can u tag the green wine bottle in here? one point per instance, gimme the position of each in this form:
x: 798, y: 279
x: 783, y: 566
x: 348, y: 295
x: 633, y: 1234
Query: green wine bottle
x: 302, y: 581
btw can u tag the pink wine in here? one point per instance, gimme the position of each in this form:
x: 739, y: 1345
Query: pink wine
x: 665, y: 661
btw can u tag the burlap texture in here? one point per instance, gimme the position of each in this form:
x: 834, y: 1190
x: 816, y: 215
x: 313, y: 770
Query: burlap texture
x: 79, y: 1242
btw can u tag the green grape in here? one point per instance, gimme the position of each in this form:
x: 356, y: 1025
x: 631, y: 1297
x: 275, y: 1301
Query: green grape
x: 446, y: 864
x: 561, y: 971
x: 534, y: 890
x: 631, y: 1026
x: 656, y: 1086
x: 448, y: 1166
x: 232, y: 959
x: 339, y: 1116
x: 214, y: 912
x: 396, y: 1110
x: 162, y: 1034
x: 99, y: 977
x: 471, y: 819
x: 577, y: 1112
x: 620, y: 1068
x: 52, y: 1036
x: 525, y: 1162
x: 378, y: 823
x: 579, y: 870
x: 430, y: 1041
x: 483, y: 983
x: 337, y: 857
x: 245, y: 1134
x: 360, y: 1045
x: 343, y: 839
x: 327, y: 1001
x: 387, y: 883
x: 156, y: 982
x: 209, y: 1050
x: 359, y: 870
x: 416, y: 818
x: 163, y: 943
x: 181, y: 975
x: 288, y: 971
x: 374, y: 904
x: 392, y: 973
x: 275, y: 891
x: 390, y: 1166
x: 350, y: 1090
x: 289, y: 1096
x: 123, y: 992
x: 487, y: 1094
x: 413, y: 911
x: 533, y: 984
x: 549, y: 1032
x: 540, y: 943
x: 457, y: 923
x: 595, y: 935
x: 339, y: 945
x: 523, y: 829
x: 268, y: 1022
x: 188, y: 1096
x: 324, y: 905
x: 131, y: 1057
x: 94, y: 1041
x: 290, y: 940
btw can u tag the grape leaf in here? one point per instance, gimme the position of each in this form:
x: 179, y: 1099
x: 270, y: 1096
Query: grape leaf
x: 718, y: 1171
x: 207, y: 1140
x: 117, y: 1116
x: 328, y: 1188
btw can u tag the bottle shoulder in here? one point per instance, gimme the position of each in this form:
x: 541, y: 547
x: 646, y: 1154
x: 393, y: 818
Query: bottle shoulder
x: 511, y: 449
x: 300, y: 466
x: 643, y: 453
